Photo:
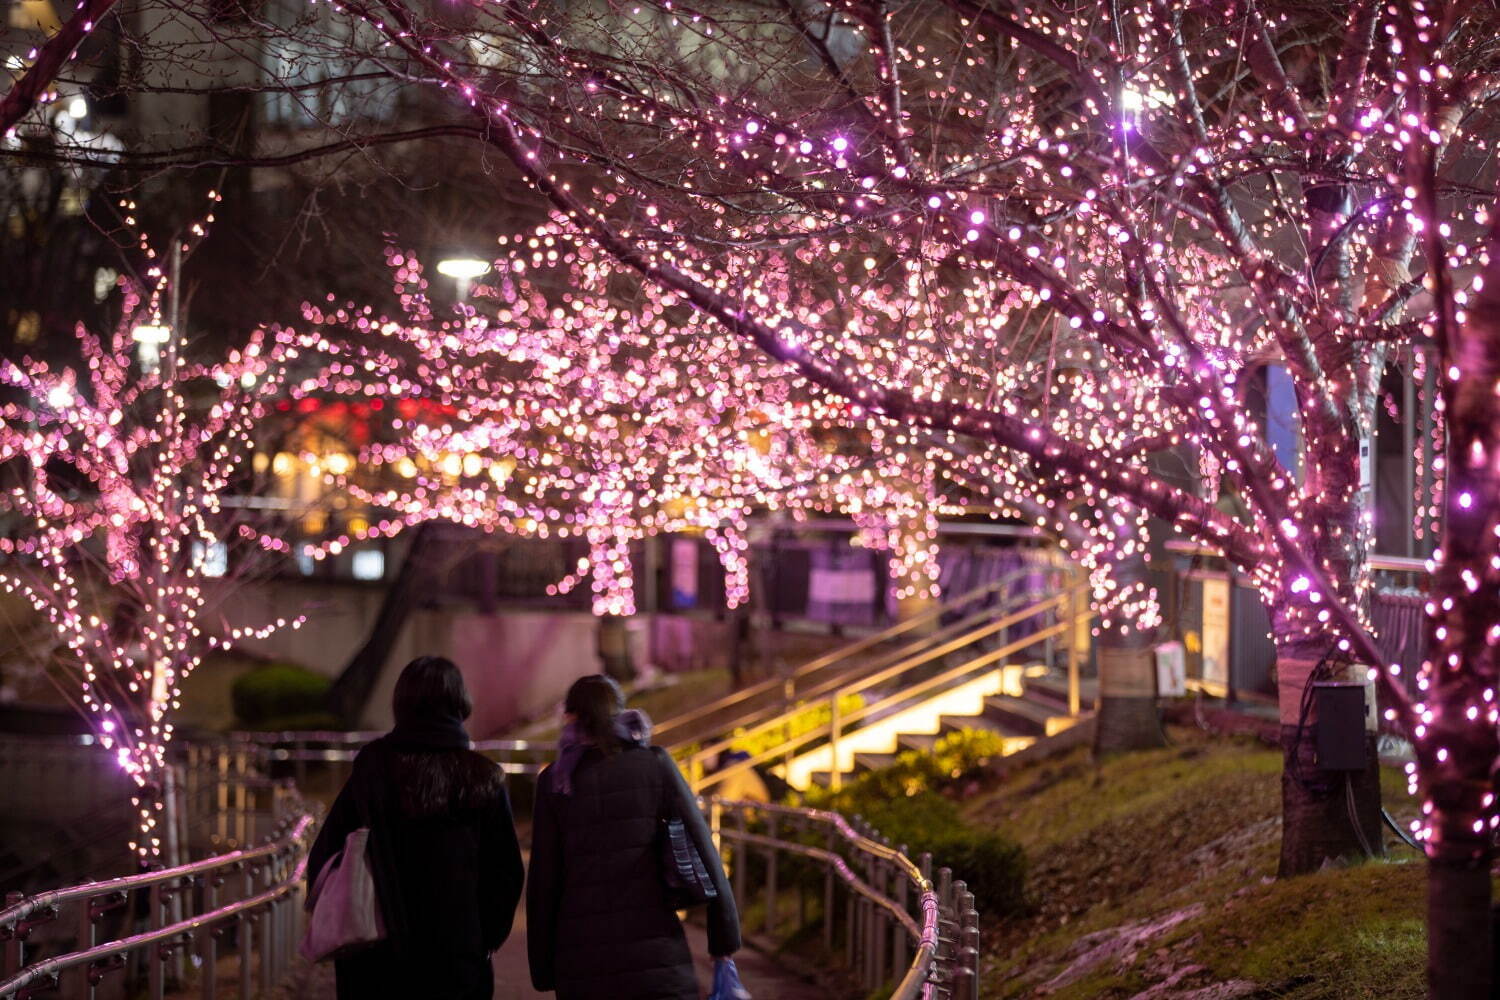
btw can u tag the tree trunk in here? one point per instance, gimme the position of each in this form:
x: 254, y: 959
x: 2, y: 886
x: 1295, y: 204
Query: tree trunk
x: 1459, y: 947
x: 1326, y: 816
x: 1127, y: 711
x: 1457, y: 741
x: 1127, y: 716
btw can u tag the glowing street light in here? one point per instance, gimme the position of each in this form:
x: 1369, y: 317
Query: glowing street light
x: 463, y: 270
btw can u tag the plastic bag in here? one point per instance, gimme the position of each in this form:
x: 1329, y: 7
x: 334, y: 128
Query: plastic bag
x: 727, y: 985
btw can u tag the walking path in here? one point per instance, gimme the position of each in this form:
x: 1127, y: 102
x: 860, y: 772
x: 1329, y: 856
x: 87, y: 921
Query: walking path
x: 762, y: 977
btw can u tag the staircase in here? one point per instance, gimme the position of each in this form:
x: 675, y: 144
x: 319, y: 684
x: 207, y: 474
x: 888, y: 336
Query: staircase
x: 1026, y: 704
x: 967, y: 675
x: 931, y: 633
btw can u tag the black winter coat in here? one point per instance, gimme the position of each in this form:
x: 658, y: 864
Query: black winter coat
x: 598, y: 924
x: 447, y: 869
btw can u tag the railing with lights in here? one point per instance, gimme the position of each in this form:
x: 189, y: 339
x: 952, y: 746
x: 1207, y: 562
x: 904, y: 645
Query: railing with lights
x: 908, y: 681
x: 755, y: 703
x: 882, y: 910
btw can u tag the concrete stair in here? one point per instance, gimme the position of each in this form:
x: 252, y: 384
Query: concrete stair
x: 1020, y: 705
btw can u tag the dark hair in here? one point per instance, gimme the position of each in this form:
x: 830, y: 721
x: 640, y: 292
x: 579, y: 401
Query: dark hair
x: 595, y: 701
x: 430, y: 686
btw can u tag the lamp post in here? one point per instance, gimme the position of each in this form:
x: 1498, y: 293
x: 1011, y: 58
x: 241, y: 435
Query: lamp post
x: 463, y: 270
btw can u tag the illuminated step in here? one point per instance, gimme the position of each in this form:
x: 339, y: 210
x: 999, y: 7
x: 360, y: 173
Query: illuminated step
x: 881, y: 736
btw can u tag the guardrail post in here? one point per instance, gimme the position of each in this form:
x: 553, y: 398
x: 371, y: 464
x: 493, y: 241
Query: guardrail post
x: 828, y: 895
x: 156, y: 967
x: 242, y: 798
x: 835, y: 776
x: 946, y: 929
x: 221, y: 796
x: 874, y: 929
x: 741, y: 854
x: 86, y: 940
x: 13, y: 954
x: 772, y: 853
x: 245, y: 928
x: 1071, y: 635
x: 208, y: 942
x: 267, y: 938
x: 970, y: 953
x: 963, y: 979
x: 898, y: 937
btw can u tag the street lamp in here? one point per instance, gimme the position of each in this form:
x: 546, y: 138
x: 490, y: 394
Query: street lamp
x: 463, y: 270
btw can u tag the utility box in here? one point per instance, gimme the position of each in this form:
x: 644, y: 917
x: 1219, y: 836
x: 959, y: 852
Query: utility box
x: 1339, y: 727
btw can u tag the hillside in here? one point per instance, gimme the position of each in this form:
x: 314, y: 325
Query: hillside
x: 1151, y: 876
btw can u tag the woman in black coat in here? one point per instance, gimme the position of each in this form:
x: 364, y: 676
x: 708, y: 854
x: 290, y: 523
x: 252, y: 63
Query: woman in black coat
x: 442, y: 847
x: 598, y: 923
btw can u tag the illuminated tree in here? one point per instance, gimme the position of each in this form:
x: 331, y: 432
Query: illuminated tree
x: 1177, y: 196
x: 573, y: 409
x: 119, y: 533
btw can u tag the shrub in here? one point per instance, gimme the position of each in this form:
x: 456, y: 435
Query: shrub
x: 807, y: 720
x: 282, y: 696
x: 904, y: 802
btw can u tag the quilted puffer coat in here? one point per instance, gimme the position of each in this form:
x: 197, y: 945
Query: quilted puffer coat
x: 598, y: 924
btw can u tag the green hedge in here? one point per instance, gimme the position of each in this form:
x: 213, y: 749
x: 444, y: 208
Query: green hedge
x: 810, y: 719
x: 905, y: 802
x: 282, y: 696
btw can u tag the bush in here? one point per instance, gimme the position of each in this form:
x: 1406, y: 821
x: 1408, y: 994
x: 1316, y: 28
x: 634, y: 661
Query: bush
x: 282, y: 696
x: 807, y: 720
x: 904, y: 802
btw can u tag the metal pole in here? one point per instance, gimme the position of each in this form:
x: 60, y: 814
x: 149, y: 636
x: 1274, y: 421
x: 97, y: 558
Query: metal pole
x: 835, y: 776
x: 12, y: 955
x: 266, y: 919
x: 247, y: 889
x: 898, y: 937
x: 828, y: 898
x: 208, y: 942
x: 741, y: 856
x: 971, y: 943
x: 771, y: 855
x: 156, y: 964
x: 1071, y: 635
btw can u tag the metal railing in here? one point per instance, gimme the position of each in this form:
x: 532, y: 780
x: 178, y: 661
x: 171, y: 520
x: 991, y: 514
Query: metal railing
x: 894, y: 922
x: 908, y: 690
x: 303, y: 747
x: 262, y: 913
x: 748, y: 704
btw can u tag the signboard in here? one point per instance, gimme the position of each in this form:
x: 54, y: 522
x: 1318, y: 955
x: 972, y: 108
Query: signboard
x: 1216, y: 631
x: 1171, y: 670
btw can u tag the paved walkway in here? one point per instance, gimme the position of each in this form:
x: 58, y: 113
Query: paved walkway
x: 764, y: 979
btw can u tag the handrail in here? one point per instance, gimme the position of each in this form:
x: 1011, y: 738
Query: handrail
x: 352, y: 736
x: 788, y: 682
x: 295, y: 746
x: 881, y: 676
x: 284, y: 857
x: 43, y: 900
x: 833, y: 730
x: 953, y: 961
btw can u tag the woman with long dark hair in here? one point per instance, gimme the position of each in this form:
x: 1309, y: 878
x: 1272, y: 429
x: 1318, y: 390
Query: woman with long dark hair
x: 442, y: 847
x: 599, y: 925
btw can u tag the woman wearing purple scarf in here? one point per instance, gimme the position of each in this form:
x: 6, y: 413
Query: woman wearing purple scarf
x: 598, y: 922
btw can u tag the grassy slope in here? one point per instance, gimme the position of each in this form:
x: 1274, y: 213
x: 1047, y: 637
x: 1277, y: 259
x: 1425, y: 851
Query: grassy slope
x: 1147, y: 835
